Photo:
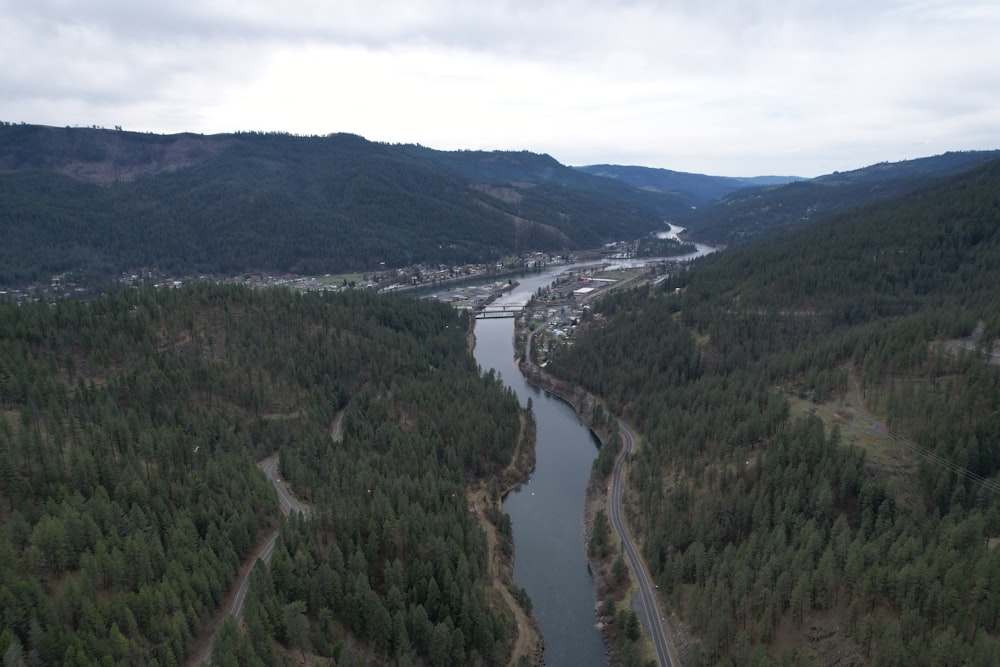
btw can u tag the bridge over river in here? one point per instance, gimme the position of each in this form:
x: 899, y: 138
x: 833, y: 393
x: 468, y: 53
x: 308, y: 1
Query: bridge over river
x: 506, y: 308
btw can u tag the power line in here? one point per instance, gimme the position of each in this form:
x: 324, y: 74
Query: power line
x: 934, y: 458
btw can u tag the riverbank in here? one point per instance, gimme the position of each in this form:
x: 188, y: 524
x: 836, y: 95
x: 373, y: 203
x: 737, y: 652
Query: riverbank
x: 485, y: 500
x: 613, y: 587
x: 596, y: 497
x: 486, y: 504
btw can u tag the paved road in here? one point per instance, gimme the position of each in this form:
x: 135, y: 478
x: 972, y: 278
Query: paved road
x: 288, y: 505
x: 264, y: 555
x: 645, y: 605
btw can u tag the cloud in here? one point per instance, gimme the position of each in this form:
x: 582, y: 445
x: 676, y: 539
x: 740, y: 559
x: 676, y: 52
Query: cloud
x: 734, y: 87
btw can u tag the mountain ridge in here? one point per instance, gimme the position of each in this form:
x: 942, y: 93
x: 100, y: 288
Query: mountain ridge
x: 696, y: 188
x: 107, y: 201
x: 819, y: 465
x: 759, y: 213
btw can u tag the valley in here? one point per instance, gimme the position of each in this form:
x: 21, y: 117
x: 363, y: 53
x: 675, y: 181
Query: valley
x: 191, y: 327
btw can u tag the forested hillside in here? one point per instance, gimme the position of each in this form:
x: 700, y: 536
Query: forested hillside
x: 694, y: 189
x: 100, y: 202
x: 129, y: 495
x: 818, y: 477
x: 759, y: 213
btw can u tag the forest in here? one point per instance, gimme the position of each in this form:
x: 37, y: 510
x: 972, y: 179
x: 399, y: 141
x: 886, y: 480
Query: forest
x: 696, y: 189
x: 102, y: 202
x: 817, y: 481
x: 755, y: 214
x: 130, y: 428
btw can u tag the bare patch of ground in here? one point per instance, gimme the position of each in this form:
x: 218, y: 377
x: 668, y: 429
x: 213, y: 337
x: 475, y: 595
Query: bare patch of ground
x: 500, y: 566
x: 818, y: 640
x: 507, y: 195
x: 885, y: 455
x: 121, y: 164
x: 973, y: 343
x: 500, y: 569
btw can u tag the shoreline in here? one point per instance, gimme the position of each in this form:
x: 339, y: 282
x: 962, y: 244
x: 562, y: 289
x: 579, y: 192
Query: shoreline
x: 486, y: 504
x: 595, y: 497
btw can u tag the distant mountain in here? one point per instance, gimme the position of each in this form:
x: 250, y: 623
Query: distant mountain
x: 757, y: 213
x: 524, y: 168
x: 105, y: 201
x: 694, y: 189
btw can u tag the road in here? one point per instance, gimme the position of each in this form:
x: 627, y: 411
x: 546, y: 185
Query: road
x: 646, y: 605
x: 337, y: 430
x: 971, y: 344
x: 288, y: 505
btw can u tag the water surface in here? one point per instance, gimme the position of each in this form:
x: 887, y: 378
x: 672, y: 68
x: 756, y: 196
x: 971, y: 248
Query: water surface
x: 546, y: 513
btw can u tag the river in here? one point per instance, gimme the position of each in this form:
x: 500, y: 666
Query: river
x: 547, y: 511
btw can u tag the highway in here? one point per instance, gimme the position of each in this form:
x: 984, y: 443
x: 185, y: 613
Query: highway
x: 645, y: 605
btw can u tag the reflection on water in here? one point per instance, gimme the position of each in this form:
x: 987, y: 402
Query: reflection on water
x: 546, y: 513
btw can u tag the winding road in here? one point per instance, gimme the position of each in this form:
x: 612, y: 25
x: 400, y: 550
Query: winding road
x: 645, y: 605
x: 288, y: 506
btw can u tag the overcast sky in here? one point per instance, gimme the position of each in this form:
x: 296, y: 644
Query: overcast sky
x: 724, y: 87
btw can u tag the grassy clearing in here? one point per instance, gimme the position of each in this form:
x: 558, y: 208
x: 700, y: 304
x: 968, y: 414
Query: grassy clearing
x: 839, y: 411
x: 621, y: 274
x: 885, y: 456
x: 339, y: 278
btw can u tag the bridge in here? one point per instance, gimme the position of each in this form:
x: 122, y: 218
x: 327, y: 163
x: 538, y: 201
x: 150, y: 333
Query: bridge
x: 498, y: 309
x: 509, y: 307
